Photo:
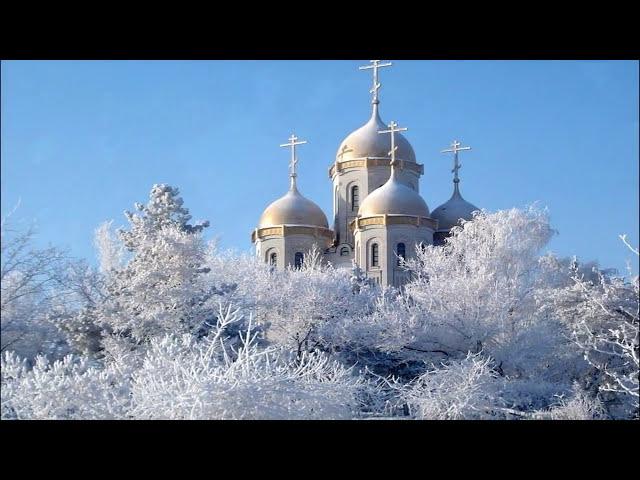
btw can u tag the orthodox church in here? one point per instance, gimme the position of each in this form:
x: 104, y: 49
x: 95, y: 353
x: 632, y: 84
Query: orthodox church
x: 378, y: 214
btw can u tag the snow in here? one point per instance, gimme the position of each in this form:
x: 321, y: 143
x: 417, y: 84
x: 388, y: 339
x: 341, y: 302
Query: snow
x: 490, y: 327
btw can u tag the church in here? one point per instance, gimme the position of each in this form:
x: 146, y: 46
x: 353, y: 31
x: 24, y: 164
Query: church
x: 379, y: 216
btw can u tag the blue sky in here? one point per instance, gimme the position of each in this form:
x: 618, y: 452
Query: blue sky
x: 83, y: 140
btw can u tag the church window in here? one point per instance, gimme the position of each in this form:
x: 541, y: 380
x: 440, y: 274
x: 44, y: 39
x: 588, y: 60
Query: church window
x: 374, y: 255
x: 298, y: 260
x: 344, y: 251
x: 355, y: 198
x: 400, y: 251
x: 439, y: 238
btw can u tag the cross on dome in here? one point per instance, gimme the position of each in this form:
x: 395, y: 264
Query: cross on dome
x: 294, y: 158
x: 455, y: 148
x: 393, y: 128
x: 376, y: 65
x: 344, y: 151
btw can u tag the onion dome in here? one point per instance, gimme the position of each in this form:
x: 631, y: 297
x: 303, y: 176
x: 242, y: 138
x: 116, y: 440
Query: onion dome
x: 456, y: 208
x: 393, y: 198
x: 365, y: 142
x: 453, y: 210
x: 293, y: 209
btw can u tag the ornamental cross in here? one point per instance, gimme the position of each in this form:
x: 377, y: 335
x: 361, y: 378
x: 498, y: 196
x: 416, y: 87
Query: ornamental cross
x: 376, y: 65
x: 393, y: 128
x: 294, y: 158
x: 344, y: 151
x: 455, y: 148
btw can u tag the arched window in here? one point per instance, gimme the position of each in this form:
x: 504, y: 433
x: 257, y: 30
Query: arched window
x: 374, y: 255
x: 355, y: 198
x: 298, y: 260
x: 273, y: 259
x: 400, y: 251
x: 439, y: 238
x: 344, y: 251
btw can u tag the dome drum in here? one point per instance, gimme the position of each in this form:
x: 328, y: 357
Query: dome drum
x: 370, y: 162
x: 288, y: 230
x: 393, y: 219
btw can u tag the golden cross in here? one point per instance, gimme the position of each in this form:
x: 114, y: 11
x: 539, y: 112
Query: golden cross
x: 376, y: 65
x: 294, y: 158
x: 393, y: 128
x: 455, y: 148
x: 345, y: 149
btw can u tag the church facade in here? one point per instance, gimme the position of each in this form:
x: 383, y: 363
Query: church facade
x: 379, y: 216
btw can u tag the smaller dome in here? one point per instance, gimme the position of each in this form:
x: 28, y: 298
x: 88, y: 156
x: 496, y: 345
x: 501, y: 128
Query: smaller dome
x: 293, y: 209
x: 393, y: 198
x: 456, y: 208
x: 367, y: 142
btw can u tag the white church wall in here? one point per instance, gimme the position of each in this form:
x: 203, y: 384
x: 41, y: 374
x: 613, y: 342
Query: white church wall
x: 367, y: 180
x: 411, y: 236
x: 268, y: 245
x: 299, y: 244
x: 366, y: 238
x: 342, y: 184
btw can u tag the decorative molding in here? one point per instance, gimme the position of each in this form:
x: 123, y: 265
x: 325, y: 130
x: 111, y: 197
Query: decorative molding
x: 392, y: 219
x: 285, y: 230
x: 367, y: 162
x: 402, y: 219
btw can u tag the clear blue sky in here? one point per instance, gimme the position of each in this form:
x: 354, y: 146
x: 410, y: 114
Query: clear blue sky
x: 83, y: 140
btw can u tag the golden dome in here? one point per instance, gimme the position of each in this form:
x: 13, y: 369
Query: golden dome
x: 456, y: 208
x: 293, y: 209
x: 393, y: 198
x: 367, y: 142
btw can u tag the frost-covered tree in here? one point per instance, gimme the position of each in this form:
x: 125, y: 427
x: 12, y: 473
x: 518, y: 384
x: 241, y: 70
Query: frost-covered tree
x: 310, y: 299
x: 187, y: 379
x: 76, y: 310
x: 70, y: 388
x: 164, y: 209
x: 109, y: 248
x: 293, y: 306
x: 476, y: 293
x: 184, y: 377
x: 157, y: 287
x: 602, y: 312
x: 28, y: 281
x: 578, y: 406
x: 463, y: 389
x: 170, y: 327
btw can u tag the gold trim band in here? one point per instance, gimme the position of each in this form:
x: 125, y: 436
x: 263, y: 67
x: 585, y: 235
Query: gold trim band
x: 285, y: 230
x: 367, y: 162
x: 393, y: 219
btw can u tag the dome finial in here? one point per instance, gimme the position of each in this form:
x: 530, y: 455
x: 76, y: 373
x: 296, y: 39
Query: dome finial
x: 393, y: 128
x: 455, y: 148
x: 294, y: 158
x: 376, y: 65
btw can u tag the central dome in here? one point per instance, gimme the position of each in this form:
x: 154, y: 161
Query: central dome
x: 293, y: 209
x: 393, y: 198
x: 367, y: 142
